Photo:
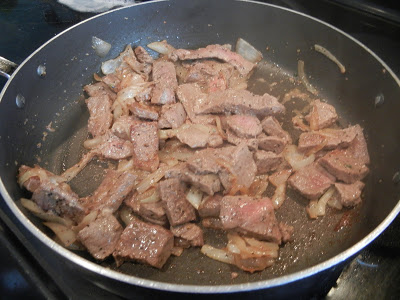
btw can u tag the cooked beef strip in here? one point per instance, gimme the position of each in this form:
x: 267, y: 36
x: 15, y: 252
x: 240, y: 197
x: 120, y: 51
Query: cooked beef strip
x: 216, y: 51
x: 344, y: 166
x: 272, y: 127
x: 164, y: 75
x: 327, y: 139
x: 172, y: 116
x: 51, y: 194
x: 144, y: 95
x: 122, y: 126
x: 198, y: 135
x: 241, y: 102
x: 311, y: 181
x: 254, y: 217
x: 113, y: 147
x: 358, y: 148
x: 204, y: 162
x: 153, y: 213
x: 271, y: 143
x: 100, y: 237
x: 177, y: 208
x: 101, y: 117
x: 210, y: 206
x: 244, y: 126
x: 142, y: 55
x: 111, y: 192
x: 99, y: 89
x: 232, y: 138
x: 191, y: 96
x: 322, y: 115
x: 286, y: 231
x: 144, y: 136
x: 190, y: 232
x: 112, y: 81
x: 212, y: 222
x: 349, y: 194
x: 143, y: 111
x: 145, y: 243
x: 208, y: 183
x: 267, y: 161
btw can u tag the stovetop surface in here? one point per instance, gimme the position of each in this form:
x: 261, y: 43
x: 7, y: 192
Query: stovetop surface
x: 26, y: 24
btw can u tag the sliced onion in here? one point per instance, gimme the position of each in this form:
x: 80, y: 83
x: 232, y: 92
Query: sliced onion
x: 303, y: 78
x: 217, y: 254
x: 194, y: 196
x: 125, y: 165
x: 247, y: 51
x: 77, y: 168
x: 101, y: 47
x: 335, y: 202
x: 110, y: 66
x: 296, y: 159
x: 177, y: 251
x: 126, y: 215
x: 332, y: 57
x: 45, y: 216
x: 66, y: 235
x: 161, y: 47
x: 149, y: 196
x: 152, y: 179
x: 89, y: 218
x: 93, y: 143
x: 259, y: 186
x: 279, y: 196
x: 316, y: 208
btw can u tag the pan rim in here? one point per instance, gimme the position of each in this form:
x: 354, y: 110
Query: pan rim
x: 185, y: 288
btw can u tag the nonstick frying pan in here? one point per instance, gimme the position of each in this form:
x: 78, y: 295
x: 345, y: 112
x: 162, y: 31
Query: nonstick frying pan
x: 32, y: 102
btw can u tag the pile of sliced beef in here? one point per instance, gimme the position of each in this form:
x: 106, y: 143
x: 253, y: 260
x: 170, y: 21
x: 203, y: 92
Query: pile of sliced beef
x: 186, y: 124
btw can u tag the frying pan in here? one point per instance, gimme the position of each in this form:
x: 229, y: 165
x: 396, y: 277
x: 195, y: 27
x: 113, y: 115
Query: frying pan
x: 32, y: 102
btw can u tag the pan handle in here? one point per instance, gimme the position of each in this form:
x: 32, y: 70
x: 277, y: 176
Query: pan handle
x: 7, y: 67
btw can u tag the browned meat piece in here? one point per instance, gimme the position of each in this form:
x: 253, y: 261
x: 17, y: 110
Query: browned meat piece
x: 99, y: 89
x: 286, y: 231
x: 112, y: 191
x: 199, y: 135
x: 311, y: 181
x: 140, y: 68
x: 144, y: 111
x: 272, y: 127
x: 142, y: 55
x: 101, y: 236
x: 164, y: 75
x: 255, y: 217
x: 358, y: 148
x: 214, y: 223
x: 177, y: 208
x: 172, y: 116
x: 267, y: 161
x: 216, y: 51
x: 235, y: 140
x: 240, y: 102
x: 100, y: 118
x: 114, y: 147
x: 122, y: 127
x: 50, y: 193
x: 210, y: 206
x: 327, y: 139
x: 271, y: 143
x: 344, y: 166
x: 145, y: 95
x: 112, y: 82
x: 322, y: 115
x: 204, y: 162
x: 144, y: 136
x: 349, y: 194
x: 208, y: 183
x: 191, y: 96
x: 238, y: 168
x: 153, y: 213
x: 146, y: 243
x: 244, y: 126
x: 189, y: 232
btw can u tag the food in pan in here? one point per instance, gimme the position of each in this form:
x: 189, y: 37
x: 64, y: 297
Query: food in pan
x: 191, y: 148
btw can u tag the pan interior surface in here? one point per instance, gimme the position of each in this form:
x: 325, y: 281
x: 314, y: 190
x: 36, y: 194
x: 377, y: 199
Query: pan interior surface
x: 50, y: 129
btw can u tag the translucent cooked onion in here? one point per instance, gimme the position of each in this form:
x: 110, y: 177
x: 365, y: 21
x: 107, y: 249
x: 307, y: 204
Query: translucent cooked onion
x: 69, y: 174
x: 303, y: 78
x: 259, y: 186
x: 332, y: 57
x: 93, y: 143
x: 247, y: 51
x: 279, y: 196
x: 152, y: 179
x: 101, y: 47
x: 316, y: 208
x: 89, y: 218
x: 125, y: 165
x: 66, y: 235
x: 177, y: 251
x: 126, y: 215
x: 296, y: 159
x: 149, y: 196
x: 335, y: 202
x: 45, y: 216
x: 217, y: 254
x: 194, y: 196
x: 161, y: 47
